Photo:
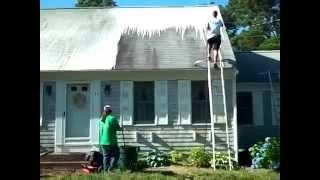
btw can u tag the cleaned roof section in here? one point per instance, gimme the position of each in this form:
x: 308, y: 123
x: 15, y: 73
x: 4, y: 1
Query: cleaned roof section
x: 124, y: 38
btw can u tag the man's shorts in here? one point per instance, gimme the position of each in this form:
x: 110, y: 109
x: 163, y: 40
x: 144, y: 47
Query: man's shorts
x: 215, y: 42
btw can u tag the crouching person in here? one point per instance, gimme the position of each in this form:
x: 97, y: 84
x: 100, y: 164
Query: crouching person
x: 108, y: 127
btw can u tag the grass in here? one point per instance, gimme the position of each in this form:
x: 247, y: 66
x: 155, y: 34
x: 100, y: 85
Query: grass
x: 178, y: 173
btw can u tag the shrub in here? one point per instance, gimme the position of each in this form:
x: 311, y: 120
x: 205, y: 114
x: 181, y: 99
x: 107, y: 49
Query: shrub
x: 199, y: 157
x: 222, y: 161
x: 157, y: 159
x: 266, y: 154
x: 176, y: 156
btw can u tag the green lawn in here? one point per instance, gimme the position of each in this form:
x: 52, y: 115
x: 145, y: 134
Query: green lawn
x: 178, y: 173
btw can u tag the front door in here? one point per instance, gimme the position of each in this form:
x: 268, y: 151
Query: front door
x: 78, y: 111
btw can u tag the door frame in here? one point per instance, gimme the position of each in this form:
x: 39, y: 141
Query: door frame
x: 76, y: 140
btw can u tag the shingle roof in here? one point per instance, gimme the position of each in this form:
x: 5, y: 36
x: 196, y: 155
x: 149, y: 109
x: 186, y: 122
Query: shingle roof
x: 124, y: 38
x: 252, y: 66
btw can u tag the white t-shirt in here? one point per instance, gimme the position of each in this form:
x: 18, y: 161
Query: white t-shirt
x: 215, y: 24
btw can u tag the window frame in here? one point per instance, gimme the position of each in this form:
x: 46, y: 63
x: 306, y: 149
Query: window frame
x: 134, y: 121
x: 192, y: 113
x: 252, y: 123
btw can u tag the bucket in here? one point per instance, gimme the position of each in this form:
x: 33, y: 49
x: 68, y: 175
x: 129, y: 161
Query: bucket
x: 128, y: 157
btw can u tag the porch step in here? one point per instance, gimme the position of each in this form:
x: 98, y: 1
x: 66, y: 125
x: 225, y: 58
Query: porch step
x: 51, y: 124
x: 46, y: 141
x: 68, y: 157
x: 50, y: 145
x: 62, y: 165
x: 46, y: 133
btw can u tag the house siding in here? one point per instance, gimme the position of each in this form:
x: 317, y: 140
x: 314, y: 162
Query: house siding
x: 249, y: 135
x: 161, y: 137
x: 112, y: 99
x: 48, y: 117
x: 175, y: 137
x: 171, y: 136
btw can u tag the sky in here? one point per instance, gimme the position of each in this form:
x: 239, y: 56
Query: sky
x: 125, y: 3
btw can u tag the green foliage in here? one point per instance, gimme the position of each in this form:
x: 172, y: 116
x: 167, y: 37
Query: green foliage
x: 266, y: 154
x: 248, y: 40
x: 95, y: 3
x: 199, y: 157
x: 261, y: 20
x: 157, y: 159
x: 179, y: 157
x: 222, y: 161
x: 270, y: 44
x: 176, y: 156
x: 247, y: 12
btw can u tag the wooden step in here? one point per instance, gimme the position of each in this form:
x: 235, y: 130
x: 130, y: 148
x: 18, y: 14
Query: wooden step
x: 62, y: 165
x: 46, y: 141
x: 54, y: 157
x: 46, y: 133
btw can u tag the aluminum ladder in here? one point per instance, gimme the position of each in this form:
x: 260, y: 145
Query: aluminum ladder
x: 218, y: 99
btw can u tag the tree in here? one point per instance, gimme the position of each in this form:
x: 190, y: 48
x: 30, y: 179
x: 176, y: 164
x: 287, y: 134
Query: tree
x: 261, y: 19
x: 270, y: 44
x: 96, y: 3
x: 248, y: 40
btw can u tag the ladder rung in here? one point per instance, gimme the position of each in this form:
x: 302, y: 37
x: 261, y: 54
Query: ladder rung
x: 217, y: 94
x: 216, y: 84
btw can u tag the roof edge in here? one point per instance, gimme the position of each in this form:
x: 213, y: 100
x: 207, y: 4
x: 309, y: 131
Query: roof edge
x: 259, y: 51
x: 124, y: 7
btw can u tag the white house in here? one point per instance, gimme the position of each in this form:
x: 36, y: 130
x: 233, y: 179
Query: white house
x: 141, y: 62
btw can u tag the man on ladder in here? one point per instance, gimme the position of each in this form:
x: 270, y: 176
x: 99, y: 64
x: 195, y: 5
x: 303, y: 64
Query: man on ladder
x: 214, y: 28
x: 214, y: 32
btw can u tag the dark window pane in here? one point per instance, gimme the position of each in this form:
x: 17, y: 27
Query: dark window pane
x: 107, y: 89
x: 84, y: 88
x: 144, y: 102
x: 73, y: 88
x: 49, y: 90
x: 244, y: 108
x: 200, y: 102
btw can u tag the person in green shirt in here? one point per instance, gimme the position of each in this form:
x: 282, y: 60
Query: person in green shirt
x: 108, y: 127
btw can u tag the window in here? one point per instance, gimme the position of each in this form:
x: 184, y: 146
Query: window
x: 144, y: 103
x: 73, y: 88
x: 84, y: 88
x: 200, y: 102
x: 48, y: 90
x: 107, y: 89
x: 244, y: 108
